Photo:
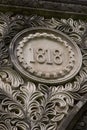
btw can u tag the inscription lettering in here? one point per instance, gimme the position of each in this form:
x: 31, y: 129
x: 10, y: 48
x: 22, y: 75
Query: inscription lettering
x: 48, y: 56
x: 40, y: 57
x: 57, y: 57
x: 32, y: 55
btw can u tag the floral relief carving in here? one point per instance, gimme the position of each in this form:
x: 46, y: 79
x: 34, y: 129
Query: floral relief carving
x: 24, y: 105
x: 28, y: 106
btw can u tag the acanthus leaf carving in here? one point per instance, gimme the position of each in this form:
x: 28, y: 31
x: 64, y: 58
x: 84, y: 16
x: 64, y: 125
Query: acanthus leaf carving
x: 28, y: 104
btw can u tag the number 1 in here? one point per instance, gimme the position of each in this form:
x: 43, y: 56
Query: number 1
x: 49, y: 57
x: 32, y: 55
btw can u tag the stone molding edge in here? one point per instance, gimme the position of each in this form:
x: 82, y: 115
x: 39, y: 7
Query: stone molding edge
x: 65, y: 8
x: 34, y: 2
x: 68, y: 123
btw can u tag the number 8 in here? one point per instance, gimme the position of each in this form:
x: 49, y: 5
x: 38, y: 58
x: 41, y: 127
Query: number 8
x: 57, y: 57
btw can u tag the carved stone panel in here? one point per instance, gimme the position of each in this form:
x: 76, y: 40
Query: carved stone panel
x: 37, y: 53
x: 45, y: 55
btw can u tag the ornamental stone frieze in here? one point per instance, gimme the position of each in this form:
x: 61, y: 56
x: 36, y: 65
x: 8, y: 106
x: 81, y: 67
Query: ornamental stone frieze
x: 43, y: 71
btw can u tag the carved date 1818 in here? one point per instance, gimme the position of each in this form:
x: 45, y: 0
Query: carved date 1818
x: 47, y: 56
